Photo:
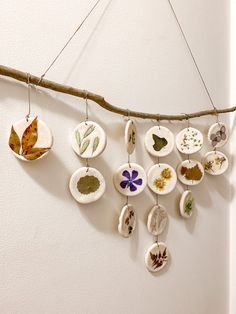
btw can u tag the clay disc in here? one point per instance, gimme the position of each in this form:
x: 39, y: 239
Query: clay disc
x: 87, y: 185
x: 130, y: 136
x: 33, y: 128
x: 162, y: 178
x: 218, y: 134
x: 157, y: 220
x: 215, y: 163
x: 130, y: 179
x: 156, y: 257
x: 127, y: 221
x: 186, y: 204
x: 88, y: 139
x: 190, y: 172
x: 189, y: 140
x: 159, y: 141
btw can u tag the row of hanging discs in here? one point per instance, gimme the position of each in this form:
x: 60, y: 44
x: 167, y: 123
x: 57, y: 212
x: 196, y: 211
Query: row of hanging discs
x: 129, y: 180
x: 88, y: 141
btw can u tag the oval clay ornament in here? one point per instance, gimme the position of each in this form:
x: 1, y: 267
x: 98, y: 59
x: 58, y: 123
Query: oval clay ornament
x: 189, y: 140
x: 130, y: 179
x: 156, y: 257
x: 162, y: 178
x: 88, y: 139
x: 127, y: 221
x: 159, y: 141
x: 30, y: 139
x: 186, y: 204
x: 190, y: 172
x: 218, y: 134
x: 87, y: 185
x: 130, y: 136
x: 157, y: 220
x: 215, y: 163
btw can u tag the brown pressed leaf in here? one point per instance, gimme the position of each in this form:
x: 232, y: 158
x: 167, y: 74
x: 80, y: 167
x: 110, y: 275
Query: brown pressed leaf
x: 29, y: 137
x: 35, y: 153
x: 193, y: 173
x: 14, y: 141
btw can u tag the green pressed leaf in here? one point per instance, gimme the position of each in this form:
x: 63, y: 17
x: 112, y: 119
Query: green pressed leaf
x: 84, y: 146
x: 14, y: 141
x: 159, y: 142
x: 29, y: 137
x: 78, y: 138
x: 88, y: 184
x: 95, y: 143
x: 35, y: 153
x: 90, y: 129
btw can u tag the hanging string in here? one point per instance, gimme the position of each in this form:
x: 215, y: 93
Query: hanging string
x: 29, y: 97
x: 69, y: 40
x: 193, y: 58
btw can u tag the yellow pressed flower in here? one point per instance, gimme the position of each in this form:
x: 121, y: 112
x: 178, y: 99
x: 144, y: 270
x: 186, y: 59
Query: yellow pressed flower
x: 160, y: 183
x: 166, y: 173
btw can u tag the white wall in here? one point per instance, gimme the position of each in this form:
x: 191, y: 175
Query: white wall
x: 59, y: 257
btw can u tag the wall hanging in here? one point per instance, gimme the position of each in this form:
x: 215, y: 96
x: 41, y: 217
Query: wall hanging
x: 30, y: 139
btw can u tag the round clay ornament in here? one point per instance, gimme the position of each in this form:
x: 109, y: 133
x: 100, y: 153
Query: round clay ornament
x: 215, y: 163
x: 87, y: 185
x: 189, y: 140
x: 156, y: 257
x: 159, y: 141
x: 30, y: 139
x: 130, y: 179
x: 130, y: 136
x: 88, y: 139
x: 162, y: 178
x: 186, y: 204
x: 127, y: 221
x: 218, y: 134
x: 190, y: 172
x: 157, y: 220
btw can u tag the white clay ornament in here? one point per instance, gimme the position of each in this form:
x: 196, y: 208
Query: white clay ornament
x: 218, y: 134
x: 189, y: 140
x: 127, y: 221
x: 130, y: 136
x: 87, y: 185
x: 215, y: 163
x: 130, y: 179
x: 186, y: 205
x: 162, y: 178
x: 30, y: 139
x: 159, y: 141
x: 157, y: 220
x: 156, y: 257
x: 190, y: 172
x: 88, y: 139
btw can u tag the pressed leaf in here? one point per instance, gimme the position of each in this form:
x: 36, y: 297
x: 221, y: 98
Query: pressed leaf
x: 35, y: 153
x: 95, y: 143
x: 29, y: 137
x: 84, y: 146
x: 159, y: 142
x: 78, y: 138
x: 90, y: 129
x: 193, y: 173
x: 14, y: 141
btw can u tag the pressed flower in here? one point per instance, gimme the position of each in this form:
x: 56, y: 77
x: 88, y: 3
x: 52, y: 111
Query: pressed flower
x: 166, y: 173
x: 160, y: 183
x: 131, y: 180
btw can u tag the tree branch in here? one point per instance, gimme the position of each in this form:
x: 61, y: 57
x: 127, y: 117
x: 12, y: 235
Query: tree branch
x: 23, y: 77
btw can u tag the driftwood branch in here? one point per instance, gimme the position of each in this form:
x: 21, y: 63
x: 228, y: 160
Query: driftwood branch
x: 23, y: 77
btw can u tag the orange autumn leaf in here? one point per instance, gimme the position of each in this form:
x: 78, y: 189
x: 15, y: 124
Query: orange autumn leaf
x: 14, y: 141
x: 29, y: 137
x: 35, y: 153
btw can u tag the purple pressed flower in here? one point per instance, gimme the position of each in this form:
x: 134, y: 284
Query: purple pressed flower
x: 131, y: 180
